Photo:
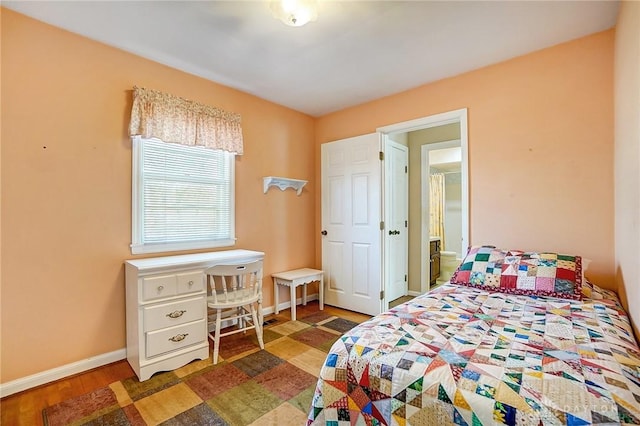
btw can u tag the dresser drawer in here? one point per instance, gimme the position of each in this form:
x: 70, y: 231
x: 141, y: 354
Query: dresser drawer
x: 159, y: 286
x: 174, y: 313
x: 190, y: 282
x: 434, y: 246
x: 173, y: 338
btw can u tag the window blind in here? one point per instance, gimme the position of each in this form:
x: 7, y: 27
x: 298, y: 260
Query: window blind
x: 186, y: 193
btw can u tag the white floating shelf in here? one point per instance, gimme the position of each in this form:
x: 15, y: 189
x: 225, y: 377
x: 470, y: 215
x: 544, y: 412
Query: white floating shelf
x: 283, y: 183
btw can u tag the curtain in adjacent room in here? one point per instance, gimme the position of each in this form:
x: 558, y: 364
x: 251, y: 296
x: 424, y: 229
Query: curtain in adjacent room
x: 436, y: 207
x: 173, y: 119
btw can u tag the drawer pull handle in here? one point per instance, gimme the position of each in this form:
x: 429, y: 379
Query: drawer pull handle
x: 178, y: 337
x: 175, y: 314
x: 160, y: 288
x: 190, y: 283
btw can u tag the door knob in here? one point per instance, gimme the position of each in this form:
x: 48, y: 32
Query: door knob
x: 324, y: 232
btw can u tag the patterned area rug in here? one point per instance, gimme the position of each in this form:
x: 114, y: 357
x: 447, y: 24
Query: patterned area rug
x: 248, y: 386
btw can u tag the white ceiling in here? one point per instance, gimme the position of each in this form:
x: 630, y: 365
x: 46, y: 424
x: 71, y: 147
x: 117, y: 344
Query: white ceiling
x: 355, y: 52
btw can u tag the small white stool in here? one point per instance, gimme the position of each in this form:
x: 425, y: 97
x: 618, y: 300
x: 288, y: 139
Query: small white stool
x: 293, y: 279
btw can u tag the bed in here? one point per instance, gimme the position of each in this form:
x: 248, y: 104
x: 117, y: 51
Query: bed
x: 469, y: 353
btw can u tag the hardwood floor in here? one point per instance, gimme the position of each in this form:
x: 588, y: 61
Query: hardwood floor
x: 25, y: 408
x: 399, y: 301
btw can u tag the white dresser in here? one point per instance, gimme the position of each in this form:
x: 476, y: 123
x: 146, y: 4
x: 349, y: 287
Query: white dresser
x: 166, y: 300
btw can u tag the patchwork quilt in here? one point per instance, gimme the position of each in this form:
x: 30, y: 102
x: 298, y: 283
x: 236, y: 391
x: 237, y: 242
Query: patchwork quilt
x: 464, y: 356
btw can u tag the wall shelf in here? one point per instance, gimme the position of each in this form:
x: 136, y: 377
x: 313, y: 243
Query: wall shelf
x: 283, y: 183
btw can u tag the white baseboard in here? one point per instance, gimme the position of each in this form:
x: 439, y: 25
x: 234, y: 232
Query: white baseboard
x: 61, y: 372
x: 67, y: 370
x: 286, y: 305
x: 413, y: 293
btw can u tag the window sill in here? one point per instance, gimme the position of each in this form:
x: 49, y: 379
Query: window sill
x: 190, y: 245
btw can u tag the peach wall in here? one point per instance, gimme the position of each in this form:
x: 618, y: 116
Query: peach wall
x: 66, y: 208
x: 540, y: 147
x: 66, y: 189
x: 627, y: 157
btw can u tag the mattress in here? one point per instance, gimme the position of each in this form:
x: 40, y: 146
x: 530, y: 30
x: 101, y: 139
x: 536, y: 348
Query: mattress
x: 466, y: 356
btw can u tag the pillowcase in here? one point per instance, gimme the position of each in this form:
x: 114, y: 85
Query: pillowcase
x: 518, y: 272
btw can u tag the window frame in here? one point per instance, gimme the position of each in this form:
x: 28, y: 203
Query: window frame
x: 137, y: 210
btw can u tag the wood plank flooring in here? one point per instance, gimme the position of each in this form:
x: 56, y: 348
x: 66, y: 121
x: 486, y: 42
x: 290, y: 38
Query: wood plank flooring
x: 25, y: 408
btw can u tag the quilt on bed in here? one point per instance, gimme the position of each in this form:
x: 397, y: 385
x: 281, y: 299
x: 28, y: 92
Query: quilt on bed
x: 464, y: 356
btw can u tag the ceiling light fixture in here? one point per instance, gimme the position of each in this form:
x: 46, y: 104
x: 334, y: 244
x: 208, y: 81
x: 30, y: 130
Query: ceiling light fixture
x: 295, y: 13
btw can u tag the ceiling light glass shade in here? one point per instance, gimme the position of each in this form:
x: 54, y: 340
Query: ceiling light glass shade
x: 295, y: 13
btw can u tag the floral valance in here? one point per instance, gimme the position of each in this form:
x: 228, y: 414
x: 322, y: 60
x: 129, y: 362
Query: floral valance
x: 174, y: 119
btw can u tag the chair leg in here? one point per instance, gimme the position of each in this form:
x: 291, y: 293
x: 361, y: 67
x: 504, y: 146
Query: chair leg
x: 258, y: 323
x: 260, y: 316
x: 241, y: 320
x: 216, y: 339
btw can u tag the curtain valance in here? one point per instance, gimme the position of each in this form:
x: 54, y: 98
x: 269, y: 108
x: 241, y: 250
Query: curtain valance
x: 173, y: 119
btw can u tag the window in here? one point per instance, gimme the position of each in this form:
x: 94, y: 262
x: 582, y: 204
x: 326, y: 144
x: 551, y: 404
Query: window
x: 183, y: 197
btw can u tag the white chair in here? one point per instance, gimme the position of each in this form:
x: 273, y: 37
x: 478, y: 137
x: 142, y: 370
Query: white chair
x: 235, y: 295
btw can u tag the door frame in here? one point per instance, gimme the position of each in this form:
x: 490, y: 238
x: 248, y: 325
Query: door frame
x: 449, y: 117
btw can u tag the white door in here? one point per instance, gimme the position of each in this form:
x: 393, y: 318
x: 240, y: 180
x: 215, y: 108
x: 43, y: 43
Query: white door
x: 396, y: 216
x: 351, y: 204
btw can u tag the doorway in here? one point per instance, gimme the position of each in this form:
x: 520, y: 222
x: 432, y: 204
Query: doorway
x: 357, y: 251
x: 419, y: 208
x: 441, y: 187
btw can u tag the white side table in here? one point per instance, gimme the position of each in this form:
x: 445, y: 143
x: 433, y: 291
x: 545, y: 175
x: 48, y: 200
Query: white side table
x: 295, y: 278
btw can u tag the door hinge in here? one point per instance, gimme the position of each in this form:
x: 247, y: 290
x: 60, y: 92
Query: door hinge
x: 406, y: 224
x: 405, y: 278
x: 406, y: 169
x: 382, y: 226
x: 381, y: 155
x: 382, y: 295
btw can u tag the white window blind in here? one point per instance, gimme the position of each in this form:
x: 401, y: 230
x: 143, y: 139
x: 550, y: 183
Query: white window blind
x: 184, y: 197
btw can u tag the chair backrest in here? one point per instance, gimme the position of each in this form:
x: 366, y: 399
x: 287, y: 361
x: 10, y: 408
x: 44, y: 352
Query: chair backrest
x: 235, y: 282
